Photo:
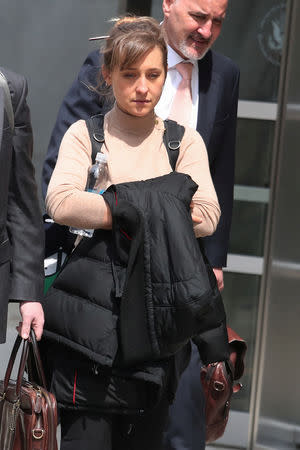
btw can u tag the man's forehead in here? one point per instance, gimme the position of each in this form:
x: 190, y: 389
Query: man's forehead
x: 206, y: 6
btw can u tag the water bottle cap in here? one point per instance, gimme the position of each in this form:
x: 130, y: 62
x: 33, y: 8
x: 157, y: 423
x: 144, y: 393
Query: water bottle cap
x: 101, y: 158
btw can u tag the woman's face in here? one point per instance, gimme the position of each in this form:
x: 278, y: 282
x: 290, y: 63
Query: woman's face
x: 138, y: 88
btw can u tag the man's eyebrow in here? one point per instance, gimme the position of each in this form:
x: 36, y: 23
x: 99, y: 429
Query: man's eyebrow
x: 205, y: 14
x: 198, y: 13
x: 221, y: 16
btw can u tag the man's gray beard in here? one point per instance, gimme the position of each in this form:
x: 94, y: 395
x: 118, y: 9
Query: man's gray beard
x: 183, y: 48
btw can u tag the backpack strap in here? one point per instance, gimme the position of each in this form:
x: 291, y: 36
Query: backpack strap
x: 172, y: 139
x: 95, y: 128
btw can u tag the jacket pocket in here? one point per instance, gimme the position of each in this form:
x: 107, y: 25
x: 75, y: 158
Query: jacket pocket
x: 81, y: 325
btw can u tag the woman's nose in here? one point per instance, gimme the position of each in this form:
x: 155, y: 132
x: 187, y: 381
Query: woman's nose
x: 142, y: 86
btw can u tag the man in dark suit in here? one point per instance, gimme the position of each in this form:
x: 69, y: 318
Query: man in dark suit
x: 21, y: 227
x: 191, y: 27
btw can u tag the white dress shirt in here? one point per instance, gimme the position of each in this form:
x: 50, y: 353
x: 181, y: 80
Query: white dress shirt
x: 173, y: 79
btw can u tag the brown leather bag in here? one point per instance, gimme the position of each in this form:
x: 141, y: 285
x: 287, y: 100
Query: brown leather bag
x: 218, y: 381
x: 28, y: 413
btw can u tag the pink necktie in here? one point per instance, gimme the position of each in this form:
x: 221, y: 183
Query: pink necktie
x: 182, y: 104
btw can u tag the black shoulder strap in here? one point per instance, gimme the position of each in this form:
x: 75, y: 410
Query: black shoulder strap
x: 95, y: 128
x: 172, y: 139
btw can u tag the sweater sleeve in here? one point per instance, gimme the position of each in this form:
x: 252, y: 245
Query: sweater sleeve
x: 66, y: 201
x: 193, y: 160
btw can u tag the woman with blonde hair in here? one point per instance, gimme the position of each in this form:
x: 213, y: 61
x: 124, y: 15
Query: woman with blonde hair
x: 122, y: 311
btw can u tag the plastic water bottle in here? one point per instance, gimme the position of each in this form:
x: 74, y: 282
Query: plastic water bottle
x: 96, y: 183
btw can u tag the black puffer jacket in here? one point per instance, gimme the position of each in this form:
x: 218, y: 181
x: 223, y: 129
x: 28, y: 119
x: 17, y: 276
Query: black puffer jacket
x: 138, y: 294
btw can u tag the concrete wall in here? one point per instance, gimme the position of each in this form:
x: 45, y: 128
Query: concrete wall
x: 47, y: 41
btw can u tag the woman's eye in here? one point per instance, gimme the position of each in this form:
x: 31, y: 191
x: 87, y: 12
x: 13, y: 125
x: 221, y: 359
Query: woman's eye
x: 154, y: 75
x: 128, y: 75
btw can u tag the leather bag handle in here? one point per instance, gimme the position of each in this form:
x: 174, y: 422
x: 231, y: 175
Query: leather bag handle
x: 24, y: 356
x: 37, y: 359
x: 23, y: 361
x: 238, y: 347
x: 11, y: 362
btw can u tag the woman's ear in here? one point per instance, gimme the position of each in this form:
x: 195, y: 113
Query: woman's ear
x: 106, y: 75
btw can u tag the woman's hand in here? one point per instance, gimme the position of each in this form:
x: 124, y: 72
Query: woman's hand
x: 195, y: 219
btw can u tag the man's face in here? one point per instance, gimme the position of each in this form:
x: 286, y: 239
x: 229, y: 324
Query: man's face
x: 192, y: 26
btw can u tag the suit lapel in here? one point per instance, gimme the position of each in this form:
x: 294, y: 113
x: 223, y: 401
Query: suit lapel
x: 2, y: 115
x: 5, y: 162
x: 208, y: 97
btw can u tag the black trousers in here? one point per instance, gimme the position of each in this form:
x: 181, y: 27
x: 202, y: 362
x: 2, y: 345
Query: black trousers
x: 85, y: 431
x: 186, y: 428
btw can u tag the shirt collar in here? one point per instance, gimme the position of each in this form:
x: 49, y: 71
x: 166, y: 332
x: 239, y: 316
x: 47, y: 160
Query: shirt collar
x: 174, y: 58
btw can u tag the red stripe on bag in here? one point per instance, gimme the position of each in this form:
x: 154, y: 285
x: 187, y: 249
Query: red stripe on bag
x: 126, y: 235
x: 74, y: 388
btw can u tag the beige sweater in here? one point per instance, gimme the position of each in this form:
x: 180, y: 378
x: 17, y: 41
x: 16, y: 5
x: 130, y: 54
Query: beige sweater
x: 135, y: 152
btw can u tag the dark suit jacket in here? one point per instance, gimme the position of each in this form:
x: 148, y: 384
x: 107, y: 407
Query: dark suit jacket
x: 21, y: 228
x: 218, y: 97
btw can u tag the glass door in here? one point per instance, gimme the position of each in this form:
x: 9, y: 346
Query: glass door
x: 252, y: 35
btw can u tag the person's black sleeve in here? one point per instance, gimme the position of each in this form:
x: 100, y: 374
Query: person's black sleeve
x: 222, y: 172
x: 24, y: 219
